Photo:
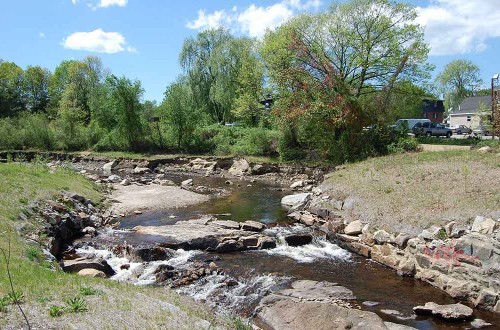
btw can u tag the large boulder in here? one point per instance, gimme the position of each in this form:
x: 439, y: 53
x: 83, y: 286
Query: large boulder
x: 90, y: 272
x: 240, y: 167
x: 108, y: 167
x: 354, y: 228
x: 314, y: 305
x: 296, y: 199
x: 452, y: 312
x: 145, y: 253
x: 484, y: 225
x: 298, y: 239
x: 141, y: 170
x: 76, y: 265
x: 252, y: 226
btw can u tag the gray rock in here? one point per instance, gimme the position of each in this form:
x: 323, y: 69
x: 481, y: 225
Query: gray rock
x: 479, y: 324
x: 148, y: 253
x: 298, y: 239
x: 453, y: 312
x: 228, y: 246
x: 108, y: 167
x: 76, y: 265
x: 125, y: 182
x: 90, y: 272
x: 297, y: 199
x: 141, y: 170
x: 486, y: 149
x: 354, y: 228
x: 402, y: 240
x: 114, y: 178
x: 266, y: 242
x: 484, y: 225
x: 381, y: 236
x: 252, y: 226
x: 319, y: 291
x: 229, y: 224
x: 240, y: 167
x: 281, y: 312
x: 370, y: 303
x: 186, y: 183
x: 297, y: 184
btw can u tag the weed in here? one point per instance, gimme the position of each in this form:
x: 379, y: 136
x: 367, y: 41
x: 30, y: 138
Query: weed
x: 87, y: 291
x: 23, y: 200
x: 4, y: 302
x: 238, y: 324
x: 55, y: 311
x: 442, y: 234
x: 15, y: 297
x: 33, y: 253
x: 76, y: 305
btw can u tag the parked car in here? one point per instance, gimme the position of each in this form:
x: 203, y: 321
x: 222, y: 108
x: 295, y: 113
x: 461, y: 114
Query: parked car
x: 482, y: 130
x: 410, y: 123
x: 431, y: 129
x: 461, y: 129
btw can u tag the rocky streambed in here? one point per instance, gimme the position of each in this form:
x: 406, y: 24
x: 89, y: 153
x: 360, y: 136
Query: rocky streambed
x: 232, y: 245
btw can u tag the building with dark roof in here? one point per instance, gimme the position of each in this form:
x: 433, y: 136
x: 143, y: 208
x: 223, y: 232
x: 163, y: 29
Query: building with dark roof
x: 433, y: 110
x: 470, y: 111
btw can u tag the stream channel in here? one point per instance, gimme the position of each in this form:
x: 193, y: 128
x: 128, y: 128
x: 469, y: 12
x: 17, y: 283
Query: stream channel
x: 260, y: 272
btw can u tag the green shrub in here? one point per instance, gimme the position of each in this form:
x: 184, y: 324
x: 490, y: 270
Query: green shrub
x: 4, y: 302
x: 55, y: 311
x: 76, y: 305
x: 15, y: 297
x: 403, y: 145
x: 34, y: 254
x: 87, y: 291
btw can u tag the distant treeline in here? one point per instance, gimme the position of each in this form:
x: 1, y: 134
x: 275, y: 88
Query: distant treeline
x: 304, y: 91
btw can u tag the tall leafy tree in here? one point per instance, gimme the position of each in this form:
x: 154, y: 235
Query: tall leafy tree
x: 36, y: 88
x: 179, y: 113
x: 323, y: 64
x: 458, y: 80
x: 11, y: 93
x: 124, y: 101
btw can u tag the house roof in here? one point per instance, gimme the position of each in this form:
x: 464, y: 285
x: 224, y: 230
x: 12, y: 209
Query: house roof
x: 471, y: 104
x: 432, y: 105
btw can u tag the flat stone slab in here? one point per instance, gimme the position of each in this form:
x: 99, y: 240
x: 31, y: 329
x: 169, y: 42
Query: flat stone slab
x: 454, y: 312
x: 279, y: 312
x: 318, y: 291
x: 203, y: 234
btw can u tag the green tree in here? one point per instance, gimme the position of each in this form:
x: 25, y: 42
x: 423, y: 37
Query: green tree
x: 124, y: 101
x: 11, y: 94
x: 36, y: 88
x: 322, y: 65
x: 224, y: 74
x: 179, y: 112
x: 458, y: 80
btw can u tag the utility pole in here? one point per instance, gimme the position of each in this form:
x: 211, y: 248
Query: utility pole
x: 495, y: 105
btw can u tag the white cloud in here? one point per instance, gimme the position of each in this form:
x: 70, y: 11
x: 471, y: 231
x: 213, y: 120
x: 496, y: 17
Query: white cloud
x: 252, y: 20
x: 41, y: 35
x: 458, y: 26
x: 98, y: 41
x: 74, y: 1
x: 108, y: 3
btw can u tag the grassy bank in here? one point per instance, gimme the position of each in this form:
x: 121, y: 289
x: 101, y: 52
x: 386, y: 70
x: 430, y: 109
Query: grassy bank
x: 111, y: 304
x: 409, y: 192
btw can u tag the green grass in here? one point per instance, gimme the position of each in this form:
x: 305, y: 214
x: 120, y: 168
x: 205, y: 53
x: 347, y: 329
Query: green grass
x: 409, y: 192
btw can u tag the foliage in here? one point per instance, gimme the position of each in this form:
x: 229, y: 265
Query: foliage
x: 179, y: 113
x: 56, y: 311
x: 458, y: 80
x: 4, y: 302
x: 322, y: 65
x: 76, y: 305
x: 34, y: 253
x: 403, y: 145
x: 88, y: 291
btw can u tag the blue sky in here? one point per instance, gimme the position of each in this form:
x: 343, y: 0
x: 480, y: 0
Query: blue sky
x: 141, y: 39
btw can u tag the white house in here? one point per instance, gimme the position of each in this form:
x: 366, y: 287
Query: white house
x: 470, y: 111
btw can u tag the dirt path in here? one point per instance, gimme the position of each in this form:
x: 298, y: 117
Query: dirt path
x: 152, y: 197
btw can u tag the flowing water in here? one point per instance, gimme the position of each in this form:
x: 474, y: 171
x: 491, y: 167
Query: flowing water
x: 257, y: 273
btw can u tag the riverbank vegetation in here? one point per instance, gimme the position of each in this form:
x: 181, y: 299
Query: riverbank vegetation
x: 52, y: 299
x: 302, y: 92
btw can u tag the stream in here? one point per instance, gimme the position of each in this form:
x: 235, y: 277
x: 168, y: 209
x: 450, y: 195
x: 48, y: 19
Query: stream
x: 257, y: 273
